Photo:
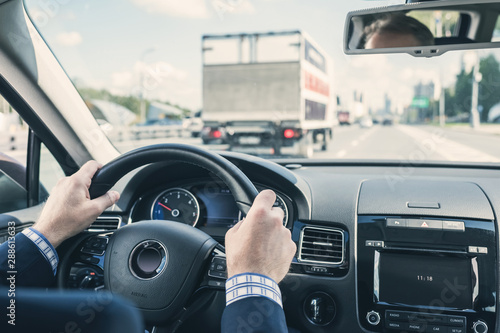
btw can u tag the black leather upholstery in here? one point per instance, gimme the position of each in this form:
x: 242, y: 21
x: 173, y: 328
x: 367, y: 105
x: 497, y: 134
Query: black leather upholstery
x: 41, y: 311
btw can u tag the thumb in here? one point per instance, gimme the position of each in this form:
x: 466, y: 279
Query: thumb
x: 106, y: 200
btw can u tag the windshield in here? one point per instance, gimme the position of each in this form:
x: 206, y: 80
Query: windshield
x: 270, y: 78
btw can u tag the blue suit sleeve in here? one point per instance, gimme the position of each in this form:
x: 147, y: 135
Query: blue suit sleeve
x: 30, y: 268
x: 254, y: 315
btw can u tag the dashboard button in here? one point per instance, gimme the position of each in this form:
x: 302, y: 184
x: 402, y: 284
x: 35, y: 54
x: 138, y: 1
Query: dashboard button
x: 456, y: 321
x: 482, y: 250
x: 396, y: 223
x: 394, y: 325
x: 437, y: 329
x: 396, y: 315
x: 453, y: 226
x: 424, y: 224
x: 415, y: 327
x: 480, y: 327
x: 373, y: 318
x: 456, y: 330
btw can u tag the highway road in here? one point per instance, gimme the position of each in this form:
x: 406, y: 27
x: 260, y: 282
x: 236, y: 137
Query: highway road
x: 397, y: 142
x: 401, y: 143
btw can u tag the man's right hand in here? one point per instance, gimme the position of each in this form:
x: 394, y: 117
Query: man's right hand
x: 260, y: 243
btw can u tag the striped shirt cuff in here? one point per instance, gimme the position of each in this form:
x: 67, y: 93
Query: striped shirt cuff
x: 44, y: 246
x: 251, y: 285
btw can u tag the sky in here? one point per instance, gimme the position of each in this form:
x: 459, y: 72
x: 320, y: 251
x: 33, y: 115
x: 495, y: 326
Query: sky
x: 112, y: 44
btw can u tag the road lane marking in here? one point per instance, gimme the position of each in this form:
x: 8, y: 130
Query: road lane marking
x: 451, y: 150
x: 341, y: 153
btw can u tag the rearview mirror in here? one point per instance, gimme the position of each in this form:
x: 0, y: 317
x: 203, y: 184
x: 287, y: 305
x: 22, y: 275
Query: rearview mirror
x: 424, y: 29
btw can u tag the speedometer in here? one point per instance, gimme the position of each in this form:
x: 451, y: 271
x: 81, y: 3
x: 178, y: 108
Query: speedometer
x: 176, y: 204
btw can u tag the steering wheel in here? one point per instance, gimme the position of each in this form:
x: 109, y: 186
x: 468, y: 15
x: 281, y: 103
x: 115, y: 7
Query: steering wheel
x: 156, y: 265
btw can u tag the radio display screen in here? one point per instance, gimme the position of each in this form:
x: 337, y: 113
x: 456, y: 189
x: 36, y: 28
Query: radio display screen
x: 420, y: 280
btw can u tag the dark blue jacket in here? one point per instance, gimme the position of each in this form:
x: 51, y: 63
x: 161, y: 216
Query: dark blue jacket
x: 30, y: 266
x: 254, y: 315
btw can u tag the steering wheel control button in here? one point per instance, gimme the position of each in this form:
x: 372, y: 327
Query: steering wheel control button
x: 396, y: 223
x: 89, y: 259
x: 95, y: 245
x: 319, y: 308
x: 480, y: 327
x: 218, y: 268
x: 148, y: 259
x: 373, y: 318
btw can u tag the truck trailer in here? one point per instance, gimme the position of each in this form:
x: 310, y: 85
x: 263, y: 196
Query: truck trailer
x: 268, y: 93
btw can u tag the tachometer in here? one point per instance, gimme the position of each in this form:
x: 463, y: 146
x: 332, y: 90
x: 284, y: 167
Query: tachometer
x: 176, y: 204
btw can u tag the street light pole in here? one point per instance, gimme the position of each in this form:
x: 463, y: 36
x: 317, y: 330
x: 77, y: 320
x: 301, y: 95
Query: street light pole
x: 142, y: 106
x: 442, y: 108
x: 476, y: 78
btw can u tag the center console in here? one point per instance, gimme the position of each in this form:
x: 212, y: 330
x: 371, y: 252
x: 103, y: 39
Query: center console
x: 418, y: 274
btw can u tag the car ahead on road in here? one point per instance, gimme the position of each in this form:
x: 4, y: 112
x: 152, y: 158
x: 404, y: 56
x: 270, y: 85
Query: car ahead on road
x: 211, y: 135
x: 396, y: 228
x: 366, y: 122
x: 193, y: 125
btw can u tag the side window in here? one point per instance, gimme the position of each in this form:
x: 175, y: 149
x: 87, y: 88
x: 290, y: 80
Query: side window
x: 14, y: 134
x: 50, y: 170
x: 13, y: 151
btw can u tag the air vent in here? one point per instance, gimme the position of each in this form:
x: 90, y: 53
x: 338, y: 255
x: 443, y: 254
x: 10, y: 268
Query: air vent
x: 321, y: 246
x: 106, y: 223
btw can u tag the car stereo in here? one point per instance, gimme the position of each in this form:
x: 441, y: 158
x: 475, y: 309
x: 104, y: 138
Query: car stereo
x: 419, y: 274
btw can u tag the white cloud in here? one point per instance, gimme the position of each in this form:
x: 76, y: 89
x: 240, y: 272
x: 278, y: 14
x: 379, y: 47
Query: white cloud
x: 176, y: 8
x: 122, y: 79
x: 197, y: 9
x: 158, y: 80
x: 72, y: 38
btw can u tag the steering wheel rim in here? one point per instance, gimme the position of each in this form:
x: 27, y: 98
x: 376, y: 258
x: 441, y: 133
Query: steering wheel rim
x: 183, y: 250
x: 241, y: 187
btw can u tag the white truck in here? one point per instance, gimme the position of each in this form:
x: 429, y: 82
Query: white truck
x: 268, y: 93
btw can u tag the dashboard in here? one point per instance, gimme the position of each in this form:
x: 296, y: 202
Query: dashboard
x: 375, y: 253
x: 203, y: 204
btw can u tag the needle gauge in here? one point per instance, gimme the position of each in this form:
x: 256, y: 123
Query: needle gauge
x: 176, y: 204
